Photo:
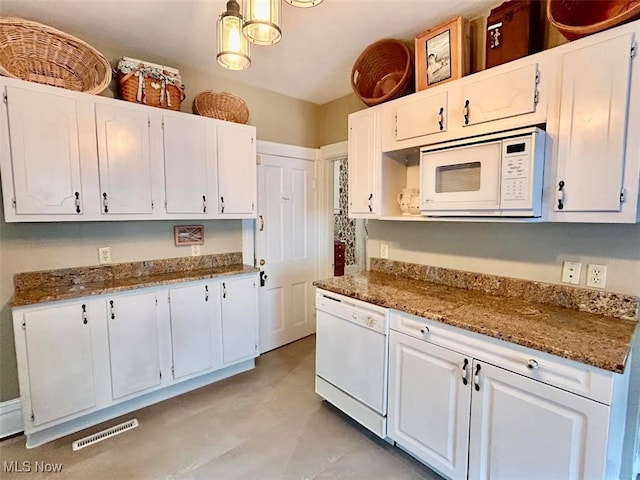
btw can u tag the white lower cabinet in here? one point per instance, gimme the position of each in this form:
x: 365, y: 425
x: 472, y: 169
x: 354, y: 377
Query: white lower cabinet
x: 455, y: 408
x: 133, y: 343
x: 195, y: 329
x: 239, y: 311
x: 85, y: 361
x: 60, y: 361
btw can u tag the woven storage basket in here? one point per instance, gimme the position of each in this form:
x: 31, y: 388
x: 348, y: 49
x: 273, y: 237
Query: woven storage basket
x: 577, y: 18
x: 38, y: 53
x: 222, y: 105
x: 382, y: 72
x: 150, y: 84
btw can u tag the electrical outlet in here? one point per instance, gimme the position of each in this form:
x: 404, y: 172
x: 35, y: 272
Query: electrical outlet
x: 571, y: 272
x: 104, y: 255
x: 195, y: 250
x: 384, y: 250
x: 596, y: 275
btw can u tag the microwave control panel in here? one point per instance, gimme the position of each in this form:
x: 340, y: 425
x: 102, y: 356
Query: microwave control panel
x: 516, y: 172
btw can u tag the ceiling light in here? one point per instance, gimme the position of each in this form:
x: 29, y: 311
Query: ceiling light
x: 304, y: 3
x: 233, y: 47
x: 262, y: 21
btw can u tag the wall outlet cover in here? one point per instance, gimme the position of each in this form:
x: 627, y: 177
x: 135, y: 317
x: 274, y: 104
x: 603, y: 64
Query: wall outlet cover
x: 596, y: 275
x: 571, y: 272
x: 104, y: 255
x: 384, y: 250
x: 195, y: 250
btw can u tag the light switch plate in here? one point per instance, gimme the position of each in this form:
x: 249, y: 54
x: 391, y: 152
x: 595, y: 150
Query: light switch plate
x: 571, y: 272
x: 384, y: 250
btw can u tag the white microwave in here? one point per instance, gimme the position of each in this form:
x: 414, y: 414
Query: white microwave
x: 493, y: 175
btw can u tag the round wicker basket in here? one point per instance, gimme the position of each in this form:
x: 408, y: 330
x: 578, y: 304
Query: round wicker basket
x: 577, y: 18
x: 38, y: 53
x: 382, y: 72
x: 221, y: 105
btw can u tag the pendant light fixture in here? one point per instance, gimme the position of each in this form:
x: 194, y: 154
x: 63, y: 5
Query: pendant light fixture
x: 262, y: 21
x: 304, y: 3
x: 233, y: 47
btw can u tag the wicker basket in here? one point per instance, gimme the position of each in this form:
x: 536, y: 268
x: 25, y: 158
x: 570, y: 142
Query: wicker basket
x: 223, y: 106
x: 577, y: 18
x: 382, y: 72
x: 38, y: 53
x: 150, y: 84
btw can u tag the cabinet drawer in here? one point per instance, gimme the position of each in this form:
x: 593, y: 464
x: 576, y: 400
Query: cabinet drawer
x: 353, y: 310
x: 569, y: 375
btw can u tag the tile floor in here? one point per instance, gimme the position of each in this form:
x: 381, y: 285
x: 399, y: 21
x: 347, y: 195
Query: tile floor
x: 264, y: 424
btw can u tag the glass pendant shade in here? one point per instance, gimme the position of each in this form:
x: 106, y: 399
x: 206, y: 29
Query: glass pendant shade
x: 304, y: 3
x: 262, y: 21
x: 233, y: 47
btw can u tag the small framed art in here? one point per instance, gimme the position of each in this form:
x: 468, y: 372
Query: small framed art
x: 442, y: 53
x: 188, y: 235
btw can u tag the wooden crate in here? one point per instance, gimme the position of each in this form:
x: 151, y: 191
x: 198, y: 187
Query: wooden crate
x: 514, y: 29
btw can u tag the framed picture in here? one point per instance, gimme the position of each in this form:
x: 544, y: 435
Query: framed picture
x: 188, y: 235
x: 442, y: 53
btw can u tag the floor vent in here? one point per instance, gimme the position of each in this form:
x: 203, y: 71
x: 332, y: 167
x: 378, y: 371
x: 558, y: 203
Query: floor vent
x: 104, y: 434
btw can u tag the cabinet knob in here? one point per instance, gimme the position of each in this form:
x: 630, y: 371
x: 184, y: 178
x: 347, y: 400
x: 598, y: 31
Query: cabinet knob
x: 424, y: 330
x: 532, y: 364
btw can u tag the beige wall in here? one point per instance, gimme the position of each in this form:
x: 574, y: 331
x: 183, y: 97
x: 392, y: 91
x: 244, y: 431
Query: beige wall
x: 333, y: 118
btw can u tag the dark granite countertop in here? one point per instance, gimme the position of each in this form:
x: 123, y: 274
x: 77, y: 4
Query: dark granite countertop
x: 594, y: 339
x: 54, y: 285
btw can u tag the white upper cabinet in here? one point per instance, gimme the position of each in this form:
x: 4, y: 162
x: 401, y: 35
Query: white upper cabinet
x: 364, y: 165
x: 134, y: 345
x: 425, y: 116
x: 237, y: 183
x: 592, y: 133
x: 498, y: 96
x: 189, y: 164
x: 45, y: 153
x: 124, y: 159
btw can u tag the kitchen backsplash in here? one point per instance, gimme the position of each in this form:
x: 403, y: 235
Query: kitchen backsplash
x: 604, y: 303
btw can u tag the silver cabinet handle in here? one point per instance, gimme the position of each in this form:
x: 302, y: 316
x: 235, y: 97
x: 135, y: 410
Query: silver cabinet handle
x: 532, y: 364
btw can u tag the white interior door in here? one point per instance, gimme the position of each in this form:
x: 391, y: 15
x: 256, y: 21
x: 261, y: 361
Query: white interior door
x: 285, y: 249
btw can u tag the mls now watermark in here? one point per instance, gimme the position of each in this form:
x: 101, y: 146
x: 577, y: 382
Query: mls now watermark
x: 28, y: 467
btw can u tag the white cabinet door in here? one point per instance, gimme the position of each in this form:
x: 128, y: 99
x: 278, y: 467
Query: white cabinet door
x: 236, y: 170
x: 429, y: 403
x: 43, y: 135
x: 60, y: 361
x: 503, y: 95
x: 524, y: 429
x: 195, y: 322
x: 239, y: 319
x: 124, y: 159
x: 133, y: 343
x: 364, y: 160
x: 425, y: 116
x: 186, y: 164
x: 593, y: 124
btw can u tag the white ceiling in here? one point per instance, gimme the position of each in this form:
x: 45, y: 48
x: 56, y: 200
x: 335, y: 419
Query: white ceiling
x: 312, y: 62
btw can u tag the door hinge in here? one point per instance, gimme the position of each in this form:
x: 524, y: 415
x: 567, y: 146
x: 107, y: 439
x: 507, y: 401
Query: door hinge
x: 149, y: 122
x: 537, y: 77
x: 13, y: 202
x: 251, y: 140
x: 163, y: 123
x: 4, y: 98
x: 257, y: 159
x: 633, y: 55
x: 151, y: 205
x: 156, y: 301
x: 536, y: 97
x: 160, y: 372
x: 622, y: 197
x: 165, y: 204
x: 173, y: 370
x: 33, y: 417
x: 253, y: 207
x: 396, y: 123
x: 24, y: 325
x: 169, y: 297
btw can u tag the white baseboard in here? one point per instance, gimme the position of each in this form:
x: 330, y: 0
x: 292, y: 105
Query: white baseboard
x: 10, y: 418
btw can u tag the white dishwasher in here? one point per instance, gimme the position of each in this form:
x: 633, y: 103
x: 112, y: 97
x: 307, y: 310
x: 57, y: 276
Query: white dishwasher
x: 352, y: 345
